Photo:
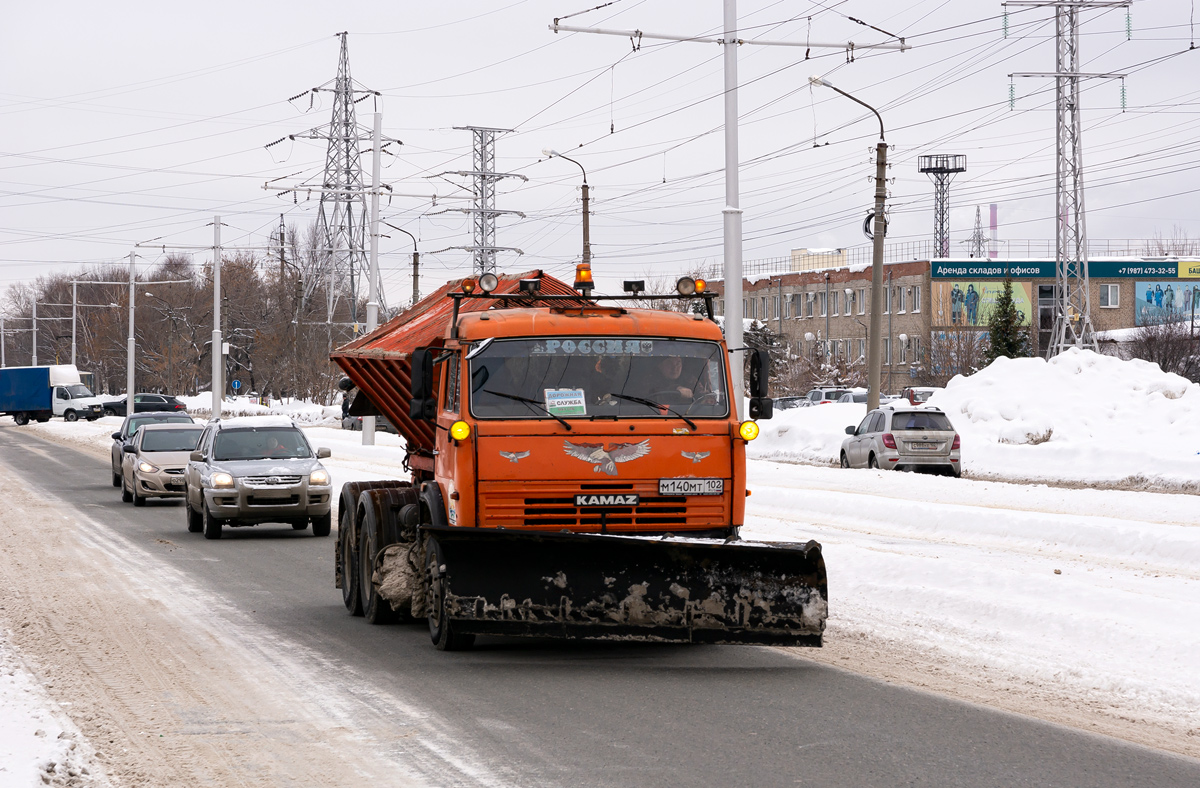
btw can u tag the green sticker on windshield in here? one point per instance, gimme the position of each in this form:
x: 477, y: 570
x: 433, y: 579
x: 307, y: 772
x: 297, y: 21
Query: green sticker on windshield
x: 566, y: 402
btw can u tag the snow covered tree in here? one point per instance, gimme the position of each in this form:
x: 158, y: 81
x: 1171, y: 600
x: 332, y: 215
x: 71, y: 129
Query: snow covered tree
x: 1007, y: 336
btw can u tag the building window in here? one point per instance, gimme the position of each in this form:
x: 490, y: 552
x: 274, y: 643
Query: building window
x: 787, y: 299
x: 916, y: 299
x: 777, y: 314
x: 862, y: 348
x: 900, y: 291
x: 834, y: 302
x: 809, y: 298
x: 900, y: 354
x: 821, y: 299
x: 887, y: 299
x: 887, y: 351
x: 1110, y: 296
x: 916, y: 350
x: 745, y: 312
x: 862, y: 300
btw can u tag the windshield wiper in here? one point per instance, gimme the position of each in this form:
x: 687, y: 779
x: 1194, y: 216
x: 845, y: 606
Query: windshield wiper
x: 656, y: 405
x: 529, y: 401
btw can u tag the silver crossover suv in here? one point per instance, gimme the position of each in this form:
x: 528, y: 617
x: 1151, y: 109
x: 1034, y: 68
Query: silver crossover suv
x: 920, y: 438
x: 256, y: 470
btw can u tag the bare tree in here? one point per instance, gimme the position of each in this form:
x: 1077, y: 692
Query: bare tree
x: 955, y: 351
x: 1172, y: 345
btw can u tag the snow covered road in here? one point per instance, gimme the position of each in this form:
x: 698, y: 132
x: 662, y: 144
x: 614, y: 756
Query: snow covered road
x: 1078, y: 595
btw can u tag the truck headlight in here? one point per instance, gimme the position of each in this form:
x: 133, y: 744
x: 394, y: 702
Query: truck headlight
x: 318, y: 477
x: 222, y: 480
x: 146, y: 467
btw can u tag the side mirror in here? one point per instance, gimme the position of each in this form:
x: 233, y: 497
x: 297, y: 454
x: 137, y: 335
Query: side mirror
x: 851, y: 431
x: 760, y: 370
x: 761, y: 408
x: 129, y: 448
x: 423, y: 405
x: 116, y: 436
x: 323, y: 453
x: 196, y: 456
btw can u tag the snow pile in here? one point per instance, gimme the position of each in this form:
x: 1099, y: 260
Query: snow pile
x: 300, y: 411
x: 1080, y: 417
x: 38, y: 744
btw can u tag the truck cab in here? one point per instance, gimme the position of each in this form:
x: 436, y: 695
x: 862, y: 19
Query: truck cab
x: 74, y: 401
x: 593, y: 420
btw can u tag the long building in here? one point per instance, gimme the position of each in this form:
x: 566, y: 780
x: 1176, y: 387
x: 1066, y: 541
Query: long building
x: 936, y: 311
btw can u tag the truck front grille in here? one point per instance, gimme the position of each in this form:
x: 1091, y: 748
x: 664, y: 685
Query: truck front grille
x: 551, y: 506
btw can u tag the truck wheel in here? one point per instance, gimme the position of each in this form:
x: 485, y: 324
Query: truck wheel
x: 21, y: 419
x: 70, y: 416
x: 212, y: 526
x: 323, y: 524
x: 375, y: 608
x: 126, y: 496
x: 440, y: 630
x: 195, y: 520
x: 349, y: 560
x: 43, y: 419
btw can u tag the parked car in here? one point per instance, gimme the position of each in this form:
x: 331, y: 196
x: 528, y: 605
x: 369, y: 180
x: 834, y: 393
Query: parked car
x: 129, y: 427
x: 258, y: 469
x: 144, y: 403
x: 823, y: 396
x: 918, y: 394
x: 153, y: 462
x: 787, y: 403
x: 854, y: 395
x: 903, y: 437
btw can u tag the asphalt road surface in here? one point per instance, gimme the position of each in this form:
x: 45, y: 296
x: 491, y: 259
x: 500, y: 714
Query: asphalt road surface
x: 602, y: 714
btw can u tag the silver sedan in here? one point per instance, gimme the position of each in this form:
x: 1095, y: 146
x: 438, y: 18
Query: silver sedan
x: 152, y: 465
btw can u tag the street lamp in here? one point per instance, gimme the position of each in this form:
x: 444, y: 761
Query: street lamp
x: 874, y: 368
x: 587, y: 243
x: 416, y: 262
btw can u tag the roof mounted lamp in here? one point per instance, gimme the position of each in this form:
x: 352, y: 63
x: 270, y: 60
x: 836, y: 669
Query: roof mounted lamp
x: 583, y: 278
x: 488, y: 282
x: 635, y: 286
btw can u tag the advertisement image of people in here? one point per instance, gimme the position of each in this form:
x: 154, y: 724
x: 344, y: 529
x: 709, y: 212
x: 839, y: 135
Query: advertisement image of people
x: 1165, y: 302
x: 970, y: 303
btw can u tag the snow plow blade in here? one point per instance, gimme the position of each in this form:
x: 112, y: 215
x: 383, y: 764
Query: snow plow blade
x: 566, y: 585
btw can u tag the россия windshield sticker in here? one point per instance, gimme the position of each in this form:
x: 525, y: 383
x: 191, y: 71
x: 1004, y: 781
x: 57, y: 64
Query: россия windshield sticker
x: 594, y: 347
x: 566, y: 402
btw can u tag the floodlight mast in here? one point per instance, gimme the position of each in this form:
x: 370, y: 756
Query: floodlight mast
x: 732, y: 212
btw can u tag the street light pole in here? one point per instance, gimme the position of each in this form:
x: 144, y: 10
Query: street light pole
x: 368, y: 422
x: 587, y: 241
x: 131, y: 343
x: 874, y: 362
x: 416, y: 263
x: 74, y: 311
x: 218, y: 360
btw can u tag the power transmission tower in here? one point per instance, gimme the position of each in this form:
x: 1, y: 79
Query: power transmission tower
x: 1073, y: 312
x: 941, y: 167
x: 342, y: 215
x: 977, y: 244
x: 484, y: 212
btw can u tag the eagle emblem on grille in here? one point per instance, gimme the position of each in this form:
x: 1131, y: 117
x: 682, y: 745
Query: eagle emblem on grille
x: 695, y: 456
x: 606, y: 459
x: 514, y: 456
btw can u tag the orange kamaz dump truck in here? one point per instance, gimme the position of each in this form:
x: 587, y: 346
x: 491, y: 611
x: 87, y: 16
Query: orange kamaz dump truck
x: 577, y: 470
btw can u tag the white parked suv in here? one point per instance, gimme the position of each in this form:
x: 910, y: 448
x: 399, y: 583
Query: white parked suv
x: 911, y: 438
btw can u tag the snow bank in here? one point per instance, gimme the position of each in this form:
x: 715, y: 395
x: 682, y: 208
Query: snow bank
x: 38, y: 743
x: 302, y: 412
x: 1080, y: 417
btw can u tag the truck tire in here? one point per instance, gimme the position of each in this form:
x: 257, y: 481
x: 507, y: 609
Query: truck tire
x: 21, y: 419
x: 195, y: 520
x: 322, y: 525
x: 347, y: 559
x: 43, y: 419
x: 70, y: 416
x: 212, y: 526
x: 441, y: 631
x: 376, y: 609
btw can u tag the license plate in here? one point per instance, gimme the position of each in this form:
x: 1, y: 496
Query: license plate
x: 923, y: 446
x: 691, y: 486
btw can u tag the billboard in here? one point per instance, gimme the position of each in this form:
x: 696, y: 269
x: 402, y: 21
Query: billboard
x: 964, y: 303
x: 1165, y: 302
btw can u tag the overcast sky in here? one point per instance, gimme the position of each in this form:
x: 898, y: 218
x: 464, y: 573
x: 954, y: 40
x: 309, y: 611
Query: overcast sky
x: 135, y: 121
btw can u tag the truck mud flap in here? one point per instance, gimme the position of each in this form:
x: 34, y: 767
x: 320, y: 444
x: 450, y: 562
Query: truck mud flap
x: 563, y: 585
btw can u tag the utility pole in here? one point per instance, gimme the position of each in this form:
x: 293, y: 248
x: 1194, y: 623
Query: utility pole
x: 732, y: 213
x: 1073, y: 312
x: 368, y: 422
x: 35, y: 333
x: 218, y: 355
x: 74, y: 312
x: 131, y: 342
x: 942, y: 167
x: 828, y: 309
x: 891, y: 338
x: 416, y: 283
x: 3, y: 334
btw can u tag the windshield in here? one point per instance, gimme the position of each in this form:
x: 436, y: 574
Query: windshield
x: 170, y: 440
x: 78, y: 391
x: 279, y: 443
x: 598, y: 377
x: 180, y: 419
x: 921, y: 421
